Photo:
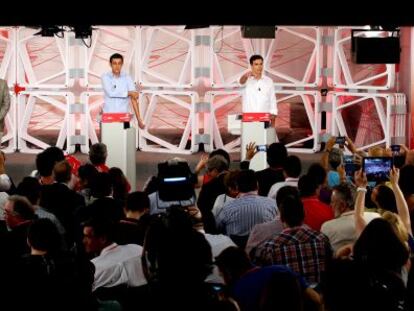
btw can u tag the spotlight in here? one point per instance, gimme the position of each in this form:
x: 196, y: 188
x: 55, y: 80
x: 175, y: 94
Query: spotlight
x: 258, y: 32
x: 188, y: 27
x: 83, y: 32
x: 50, y: 31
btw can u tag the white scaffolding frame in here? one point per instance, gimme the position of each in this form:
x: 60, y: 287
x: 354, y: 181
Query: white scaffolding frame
x: 144, y: 51
x: 384, y: 116
x: 311, y: 74
x: 211, y: 127
x: 26, y: 102
x: 87, y: 122
x: 89, y: 54
x: 8, y: 64
x: 198, y: 62
x: 25, y: 68
x: 307, y: 97
x: 190, y: 131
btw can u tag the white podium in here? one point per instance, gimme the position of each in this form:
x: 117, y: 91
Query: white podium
x: 256, y: 127
x: 120, y: 142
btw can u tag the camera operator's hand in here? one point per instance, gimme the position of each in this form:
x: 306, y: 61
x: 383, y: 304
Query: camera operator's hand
x: 404, y: 148
x: 201, y: 164
x: 330, y: 144
x: 360, y: 179
x: 394, y: 175
x: 350, y: 145
x: 250, y: 151
x: 387, y: 152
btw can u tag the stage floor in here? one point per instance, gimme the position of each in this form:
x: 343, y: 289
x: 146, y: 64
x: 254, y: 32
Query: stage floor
x: 19, y: 165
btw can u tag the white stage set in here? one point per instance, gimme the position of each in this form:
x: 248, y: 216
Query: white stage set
x: 188, y: 87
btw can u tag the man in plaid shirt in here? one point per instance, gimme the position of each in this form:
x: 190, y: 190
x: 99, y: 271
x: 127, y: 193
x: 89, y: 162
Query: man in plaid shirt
x: 304, y: 250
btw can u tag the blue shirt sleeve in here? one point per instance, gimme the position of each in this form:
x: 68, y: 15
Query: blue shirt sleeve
x: 130, y: 84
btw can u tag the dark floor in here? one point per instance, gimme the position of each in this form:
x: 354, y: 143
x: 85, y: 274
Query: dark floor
x: 19, y: 165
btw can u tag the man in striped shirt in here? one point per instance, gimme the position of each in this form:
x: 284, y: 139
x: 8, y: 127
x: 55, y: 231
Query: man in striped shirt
x: 238, y: 217
x: 304, y: 250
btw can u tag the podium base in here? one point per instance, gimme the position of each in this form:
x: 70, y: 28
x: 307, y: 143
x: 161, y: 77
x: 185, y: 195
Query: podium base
x: 120, y: 142
x: 258, y: 133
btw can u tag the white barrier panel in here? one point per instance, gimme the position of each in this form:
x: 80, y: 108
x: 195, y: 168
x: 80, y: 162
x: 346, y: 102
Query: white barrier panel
x: 366, y: 117
x: 347, y: 75
x: 298, y: 123
x: 44, y: 113
x: 399, y: 119
x: 170, y: 119
x: 42, y: 62
x: 106, y: 41
x: 166, y: 57
x: 292, y: 59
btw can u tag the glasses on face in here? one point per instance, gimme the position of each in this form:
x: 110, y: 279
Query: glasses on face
x: 9, y: 213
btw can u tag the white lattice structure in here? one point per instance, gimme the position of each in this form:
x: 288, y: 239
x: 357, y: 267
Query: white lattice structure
x: 94, y: 61
x: 8, y: 54
x: 224, y: 103
x: 166, y: 57
x: 42, y: 62
x: 173, y: 67
x: 221, y: 104
x: 89, y: 120
x: 372, y: 114
x: 292, y: 59
x: 157, y: 107
x: 40, y: 111
x: 347, y: 75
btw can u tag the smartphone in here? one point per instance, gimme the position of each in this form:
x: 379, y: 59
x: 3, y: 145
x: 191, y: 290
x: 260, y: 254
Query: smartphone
x: 397, y: 158
x: 261, y: 148
x: 340, y: 140
x: 395, y: 149
x: 377, y: 168
x: 349, y: 165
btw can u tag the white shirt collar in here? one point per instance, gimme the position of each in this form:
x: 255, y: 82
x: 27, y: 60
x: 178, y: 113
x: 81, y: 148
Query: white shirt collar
x: 109, y: 248
x: 291, y: 179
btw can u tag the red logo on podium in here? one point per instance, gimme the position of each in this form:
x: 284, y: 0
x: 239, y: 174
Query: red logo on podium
x: 256, y: 117
x: 116, y: 117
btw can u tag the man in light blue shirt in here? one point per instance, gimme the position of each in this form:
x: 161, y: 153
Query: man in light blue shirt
x: 119, y: 89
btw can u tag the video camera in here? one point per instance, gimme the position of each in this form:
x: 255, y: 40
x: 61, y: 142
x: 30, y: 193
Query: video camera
x: 175, y: 181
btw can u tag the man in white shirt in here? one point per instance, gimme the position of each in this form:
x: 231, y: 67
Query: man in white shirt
x: 341, y: 230
x: 258, y: 97
x: 259, y: 92
x: 114, y: 264
x: 291, y: 170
